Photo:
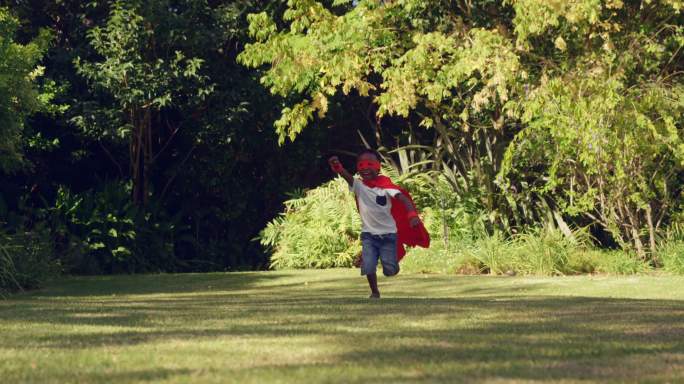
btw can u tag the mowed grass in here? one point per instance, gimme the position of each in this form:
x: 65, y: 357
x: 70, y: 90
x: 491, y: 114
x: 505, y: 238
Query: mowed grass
x: 319, y: 326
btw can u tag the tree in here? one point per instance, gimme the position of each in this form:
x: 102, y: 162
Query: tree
x: 603, y: 129
x: 216, y: 166
x: 508, y: 88
x: 145, y: 72
x: 19, y: 93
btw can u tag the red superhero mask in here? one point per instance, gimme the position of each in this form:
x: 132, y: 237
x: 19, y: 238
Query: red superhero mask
x: 368, y: 164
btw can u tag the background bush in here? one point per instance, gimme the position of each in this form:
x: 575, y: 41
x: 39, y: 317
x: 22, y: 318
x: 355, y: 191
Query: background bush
x: 516, y: 115
x: 319, y: 229
x: 8, y: 272
x: 671, y: 249
x: 26, y: 260
x: 671, y: 255
x: 102, y: 231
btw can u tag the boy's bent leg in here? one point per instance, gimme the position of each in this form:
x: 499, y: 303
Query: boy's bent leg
x: 388, y: 255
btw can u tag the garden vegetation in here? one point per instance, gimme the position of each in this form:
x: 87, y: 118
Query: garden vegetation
x: 537, y: 136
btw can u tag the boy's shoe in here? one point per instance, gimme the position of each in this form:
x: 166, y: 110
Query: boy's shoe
x: 374, y: 296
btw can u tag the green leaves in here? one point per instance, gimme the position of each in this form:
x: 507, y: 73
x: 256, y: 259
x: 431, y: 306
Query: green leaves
x: 317, y: 230
x: 476, y: 71
x: 610, y: 151
x: 106, y: 233
x: 132, y: 69
x: 261, y: 26
x: 364, y: 50
x: 19, y: 94
x: 318, y: 56
x: 535, y: 17
x: 580, y: 104
x: 294, y: 120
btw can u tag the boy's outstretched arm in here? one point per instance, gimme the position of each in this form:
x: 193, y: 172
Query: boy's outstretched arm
x: 414, y: 220
x: 337, y: 167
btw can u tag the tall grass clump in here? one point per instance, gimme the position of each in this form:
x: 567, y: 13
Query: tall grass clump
x: 437, y: 260
x: 670, y: 251
x: 620, y: 262
x: 544, y: 251
x: 26, y: 260
x: 547, y: 251
x: 492, y: 255
x: 319, y: 229
x: 8, y: 273
x: 541, y: 252
x: 671, y: 256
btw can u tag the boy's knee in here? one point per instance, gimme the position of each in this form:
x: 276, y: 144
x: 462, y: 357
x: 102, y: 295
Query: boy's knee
x: 390, y: 271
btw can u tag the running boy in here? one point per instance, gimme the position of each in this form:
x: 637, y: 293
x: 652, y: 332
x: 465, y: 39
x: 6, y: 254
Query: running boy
x: 388, y: 216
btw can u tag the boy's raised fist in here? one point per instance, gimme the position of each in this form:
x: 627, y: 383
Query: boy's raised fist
x: 335, y: 164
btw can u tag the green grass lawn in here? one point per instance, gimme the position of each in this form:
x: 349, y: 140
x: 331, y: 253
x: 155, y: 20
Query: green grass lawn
x: 318, y: 326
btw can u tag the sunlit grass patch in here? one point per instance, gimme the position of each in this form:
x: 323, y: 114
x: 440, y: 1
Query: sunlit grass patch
x: 318, y: 326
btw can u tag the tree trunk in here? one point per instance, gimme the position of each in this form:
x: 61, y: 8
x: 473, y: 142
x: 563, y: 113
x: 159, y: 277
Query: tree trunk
x: 141, y: 145
x: 651, y: 230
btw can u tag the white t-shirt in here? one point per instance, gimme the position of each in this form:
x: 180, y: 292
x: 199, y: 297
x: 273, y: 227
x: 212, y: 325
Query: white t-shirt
x: 375, y: 207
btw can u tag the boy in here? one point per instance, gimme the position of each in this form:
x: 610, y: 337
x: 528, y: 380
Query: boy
x: 388, y: 216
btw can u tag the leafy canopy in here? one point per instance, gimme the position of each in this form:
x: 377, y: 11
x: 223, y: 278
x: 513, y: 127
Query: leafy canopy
x: 19, y: 94
x: 564, y: 107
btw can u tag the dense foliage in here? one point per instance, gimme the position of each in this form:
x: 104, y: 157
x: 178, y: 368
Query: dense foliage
x: 318, y: 230
x: 142, y: 136
x: 19, y: 95
x: 152, y: 149
x: 544, y: 111
x: 27, y: 260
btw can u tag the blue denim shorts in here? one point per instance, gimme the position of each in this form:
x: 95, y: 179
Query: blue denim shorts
x: 383, y: 247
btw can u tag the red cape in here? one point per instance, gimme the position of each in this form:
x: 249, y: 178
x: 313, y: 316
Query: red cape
x: 406, y: 236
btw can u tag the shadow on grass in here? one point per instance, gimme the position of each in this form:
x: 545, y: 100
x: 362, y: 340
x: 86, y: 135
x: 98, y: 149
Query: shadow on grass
x: 410, y: 339
x: 145, y: 375
x: 89, y: 286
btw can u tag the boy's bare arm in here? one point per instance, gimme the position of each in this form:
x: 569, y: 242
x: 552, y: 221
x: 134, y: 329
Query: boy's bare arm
x: 414, y: 220
x: 337, y: 167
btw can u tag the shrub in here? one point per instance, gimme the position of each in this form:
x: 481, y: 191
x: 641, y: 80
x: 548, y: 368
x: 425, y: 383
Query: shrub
x: 459, y: 260
x: 454, y: 222
x: 547, y: 251
x: 319, y: 229
x: 671, y: 255
x: 8, y: 272
x: 670, y: 251
x: 450, y: 218
x: 621, y: 263
x: 26, y: 260
x: 103, y: 232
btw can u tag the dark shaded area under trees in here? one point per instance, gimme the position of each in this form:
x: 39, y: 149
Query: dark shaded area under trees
x: 213, y: 173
